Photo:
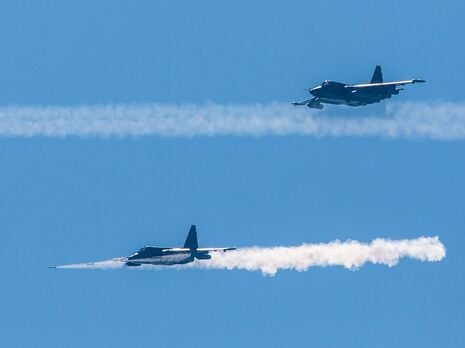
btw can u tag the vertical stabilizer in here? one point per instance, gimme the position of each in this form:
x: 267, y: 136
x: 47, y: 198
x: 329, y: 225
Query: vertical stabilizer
x: 377, y: 75
x: 191, y: 240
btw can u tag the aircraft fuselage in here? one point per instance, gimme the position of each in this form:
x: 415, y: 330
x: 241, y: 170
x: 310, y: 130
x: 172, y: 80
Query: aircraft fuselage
x: 166, y: 256
x: 332, y: 92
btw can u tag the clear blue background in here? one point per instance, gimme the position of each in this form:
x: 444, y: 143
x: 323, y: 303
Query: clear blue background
x: 73, y: 200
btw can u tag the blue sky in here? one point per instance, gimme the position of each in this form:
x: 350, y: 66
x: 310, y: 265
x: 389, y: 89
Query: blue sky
x: 66, y: 200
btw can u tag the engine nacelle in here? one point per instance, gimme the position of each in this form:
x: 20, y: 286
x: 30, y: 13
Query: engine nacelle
x: 203, y: 256
x: 315, y: 105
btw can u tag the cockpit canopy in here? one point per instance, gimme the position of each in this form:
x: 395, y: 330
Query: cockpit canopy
x: 147, y: 251
x: 325, y: 83
x: 140, y: 251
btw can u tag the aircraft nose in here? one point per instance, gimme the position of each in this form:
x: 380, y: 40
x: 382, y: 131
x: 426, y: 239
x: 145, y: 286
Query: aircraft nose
x: 315, y: 90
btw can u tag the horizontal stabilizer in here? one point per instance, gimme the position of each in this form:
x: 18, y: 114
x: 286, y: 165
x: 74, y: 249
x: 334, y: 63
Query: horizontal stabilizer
x: 215, y: 249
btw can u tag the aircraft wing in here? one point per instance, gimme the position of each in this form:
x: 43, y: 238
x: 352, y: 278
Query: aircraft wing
x: 215, y: 249
x: 382, y: 84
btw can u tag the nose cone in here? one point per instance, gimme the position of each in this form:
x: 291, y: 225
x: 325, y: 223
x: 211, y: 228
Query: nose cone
x: 315, y: 90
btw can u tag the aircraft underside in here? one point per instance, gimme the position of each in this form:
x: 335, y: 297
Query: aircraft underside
x: 341, y: 102
x: 166, y: 260
x: 353, y: 101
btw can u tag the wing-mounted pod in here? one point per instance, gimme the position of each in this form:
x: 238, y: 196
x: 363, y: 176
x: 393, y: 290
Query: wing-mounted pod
x: 203, y: 256
x: 315, y: 104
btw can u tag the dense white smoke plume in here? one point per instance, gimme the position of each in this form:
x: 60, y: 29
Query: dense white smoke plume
x: 444, y: 121
x: 350, y: 254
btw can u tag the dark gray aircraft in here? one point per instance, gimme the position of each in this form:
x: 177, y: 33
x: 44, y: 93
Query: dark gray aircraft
x: 165, y: 256
x: 332, y: 92
x: 151, y: 255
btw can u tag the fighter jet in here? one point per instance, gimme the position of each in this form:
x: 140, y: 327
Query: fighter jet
x: 332, y: 92
x: 152, y: 255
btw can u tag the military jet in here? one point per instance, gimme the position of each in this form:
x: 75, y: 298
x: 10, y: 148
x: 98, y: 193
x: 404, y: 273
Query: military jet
x: 151, y: 255
x: 166, y: 256
x: 332, y: 92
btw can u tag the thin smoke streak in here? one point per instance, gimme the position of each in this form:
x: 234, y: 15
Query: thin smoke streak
x: 351, y: 255
x: 440, y: 121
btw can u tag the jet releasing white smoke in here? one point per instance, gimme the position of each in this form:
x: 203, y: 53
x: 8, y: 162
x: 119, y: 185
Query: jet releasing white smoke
x: 445, y: 121
x: 350, y: 254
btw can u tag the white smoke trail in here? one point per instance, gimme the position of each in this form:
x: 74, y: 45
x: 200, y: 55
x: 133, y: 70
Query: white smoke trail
x: 443, y: 121
x: 350, y: 254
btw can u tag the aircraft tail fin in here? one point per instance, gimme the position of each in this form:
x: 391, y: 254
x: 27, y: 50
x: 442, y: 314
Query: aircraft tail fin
x: 377, y: 75
x: 191, y: 240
